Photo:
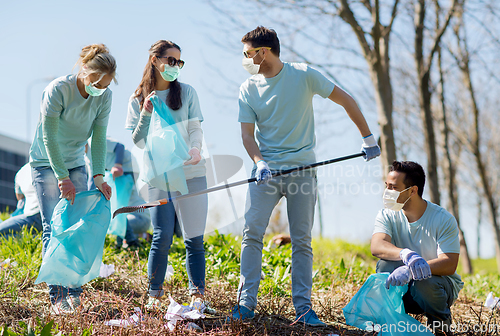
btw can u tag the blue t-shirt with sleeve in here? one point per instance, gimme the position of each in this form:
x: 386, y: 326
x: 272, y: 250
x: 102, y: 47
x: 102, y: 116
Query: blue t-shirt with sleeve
x: 189, y: 110
x: 111, y: 156
x: 77, y: 117
x: 281, y: 107
x: 434, y: 233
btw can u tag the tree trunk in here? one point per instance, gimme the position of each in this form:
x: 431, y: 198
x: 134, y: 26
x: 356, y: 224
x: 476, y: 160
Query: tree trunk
x: 380, y: 76
x: 450, y: 173
x: 423, y: 73
x: 430, y: 138
x: 479, y: 220
x: 492, y: 204
x: 377, y: 57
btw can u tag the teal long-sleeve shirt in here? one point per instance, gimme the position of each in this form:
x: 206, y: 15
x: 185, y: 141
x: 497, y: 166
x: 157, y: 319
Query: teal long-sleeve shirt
x: 67, y: 121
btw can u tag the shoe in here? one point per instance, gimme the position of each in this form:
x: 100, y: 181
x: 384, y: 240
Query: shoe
x: 198, y: 304
x: 61, y: 307
x: 134, y: 245
x: 310, y: 319
x: 209, y: 310
x: 202, y: 306
x: 153, y: 304
x: 74, y: 302
x: 240, y: 313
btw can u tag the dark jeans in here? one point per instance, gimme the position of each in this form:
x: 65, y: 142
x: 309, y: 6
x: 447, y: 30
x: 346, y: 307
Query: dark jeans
x: 15, y: 224
x: 433, y: 296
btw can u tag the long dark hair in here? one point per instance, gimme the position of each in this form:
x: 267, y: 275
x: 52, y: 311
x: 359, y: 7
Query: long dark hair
x: 148, y: 81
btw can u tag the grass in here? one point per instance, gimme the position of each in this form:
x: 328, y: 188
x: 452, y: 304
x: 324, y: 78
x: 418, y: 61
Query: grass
x: 482, y: 265
x: 340, y: 268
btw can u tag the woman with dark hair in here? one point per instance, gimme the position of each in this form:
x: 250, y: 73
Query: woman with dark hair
x: 160, y: 79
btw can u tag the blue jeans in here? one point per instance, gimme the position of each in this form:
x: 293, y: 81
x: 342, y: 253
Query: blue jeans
x: 300, y: 191
x: 48, y: 194
x: 192, y: 215
x: 432, y: 296
x: 17, y: 223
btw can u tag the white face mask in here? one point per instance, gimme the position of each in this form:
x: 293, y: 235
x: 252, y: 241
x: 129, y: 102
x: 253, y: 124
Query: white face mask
x: 390, y: 198
x: 92, y: 90
x: 249, y: 66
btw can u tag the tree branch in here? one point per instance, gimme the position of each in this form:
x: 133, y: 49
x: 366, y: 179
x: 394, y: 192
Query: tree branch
x: 348, y: 16
x: 387, y: 30
x: 368, y: 5
x: 440, y: 34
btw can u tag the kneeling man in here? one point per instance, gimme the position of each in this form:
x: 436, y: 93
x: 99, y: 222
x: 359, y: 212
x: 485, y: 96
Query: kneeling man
x: 417, y: 242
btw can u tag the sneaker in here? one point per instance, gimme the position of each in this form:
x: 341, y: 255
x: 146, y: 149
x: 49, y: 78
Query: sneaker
x: 310, y: 319
x: 202, y: 306
x: 198, y: 304
x: 134, y: 245
x: 61, y: 307
x: 240, y: 313
x: 153, y: 304
x: 74, y: 301
x: 209, y: 310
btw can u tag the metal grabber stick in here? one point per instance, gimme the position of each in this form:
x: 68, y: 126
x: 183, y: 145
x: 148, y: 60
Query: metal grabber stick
x: 226, y: 185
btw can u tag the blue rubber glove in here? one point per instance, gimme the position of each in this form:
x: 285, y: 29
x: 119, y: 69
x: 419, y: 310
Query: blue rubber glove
x: 263, y: 173
x: 399, y: 277
x: 419, y: 268
x: 370, y: 148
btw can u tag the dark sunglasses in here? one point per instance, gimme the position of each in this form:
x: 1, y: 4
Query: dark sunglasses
x: 172, y: 61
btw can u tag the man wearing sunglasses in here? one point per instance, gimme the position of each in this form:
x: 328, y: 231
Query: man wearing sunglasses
x: 278, y: 99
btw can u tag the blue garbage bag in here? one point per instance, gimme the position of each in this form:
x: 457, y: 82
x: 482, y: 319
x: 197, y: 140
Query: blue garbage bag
x: 19, y: 208
x: 165, y: 151
x: 376, y: 308
x: 120, y: 197
x: 74, y: 254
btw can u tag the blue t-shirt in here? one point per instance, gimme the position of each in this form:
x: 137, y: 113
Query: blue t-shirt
x: 434, y: 233
x: 111, y: 156
x: 77, y: 117
x: 282, y: 109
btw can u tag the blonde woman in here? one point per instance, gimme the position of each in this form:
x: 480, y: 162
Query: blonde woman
x: 73, y: 109
x: 160, y: 78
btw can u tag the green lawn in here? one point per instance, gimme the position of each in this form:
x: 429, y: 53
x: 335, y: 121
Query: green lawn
x: 340, y: 268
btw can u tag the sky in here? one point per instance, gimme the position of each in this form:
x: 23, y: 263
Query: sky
x: 42, y: 40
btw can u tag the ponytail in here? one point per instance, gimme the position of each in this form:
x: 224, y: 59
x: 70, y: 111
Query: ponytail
x: 95, y: 58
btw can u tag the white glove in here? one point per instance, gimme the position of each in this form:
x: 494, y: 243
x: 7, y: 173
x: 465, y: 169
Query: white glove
x: 263, y: 173
x: 419, y: 268
x: 370, y: 148
x: 399, y: 277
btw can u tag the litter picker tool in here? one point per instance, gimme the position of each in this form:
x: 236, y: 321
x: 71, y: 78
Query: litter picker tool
x: 141, y: 207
